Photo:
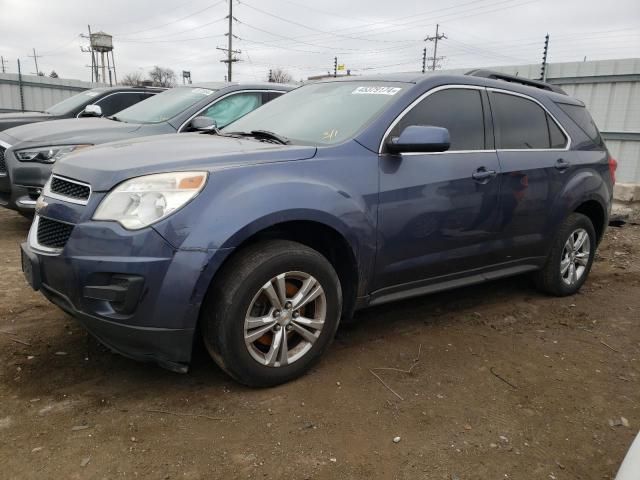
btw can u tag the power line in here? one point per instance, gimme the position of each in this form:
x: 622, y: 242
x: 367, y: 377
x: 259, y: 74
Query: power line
x: 164, y: 35
x: 172, y: 21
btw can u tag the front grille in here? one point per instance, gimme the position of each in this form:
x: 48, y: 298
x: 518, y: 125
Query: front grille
x: 53, y: 234
x: 3, y: 165
x: 70, y: 189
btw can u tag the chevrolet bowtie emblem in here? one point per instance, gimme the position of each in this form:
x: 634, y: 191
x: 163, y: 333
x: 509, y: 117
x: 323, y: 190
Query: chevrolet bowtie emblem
x: 40, y: 204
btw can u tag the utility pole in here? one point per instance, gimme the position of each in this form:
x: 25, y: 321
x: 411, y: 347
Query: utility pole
x: 543, y: 70
x: 2, y: 63
x: 424, y: 59
x: 35, y: 59
x: 230, y: 60
x: 435, y: 39
x: 335, y: 67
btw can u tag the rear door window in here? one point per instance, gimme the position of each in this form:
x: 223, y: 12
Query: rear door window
x: 456, y: 109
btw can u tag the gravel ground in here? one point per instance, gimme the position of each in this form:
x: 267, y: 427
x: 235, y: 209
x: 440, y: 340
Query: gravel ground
x: 490, y: 382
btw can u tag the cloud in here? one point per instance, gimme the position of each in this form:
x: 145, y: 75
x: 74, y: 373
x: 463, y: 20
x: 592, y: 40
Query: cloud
x: 368, y: 36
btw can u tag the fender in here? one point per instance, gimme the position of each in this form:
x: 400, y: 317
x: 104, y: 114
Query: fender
x: 587, y: 184
x: 231, y: 210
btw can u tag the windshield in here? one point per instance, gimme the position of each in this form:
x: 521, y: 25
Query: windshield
x: 163, y: 106
x: 320, y: 113
x: 71, y: 103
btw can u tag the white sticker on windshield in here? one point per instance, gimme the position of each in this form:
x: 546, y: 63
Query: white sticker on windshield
x: 91, y: 94
x: 376, y: 90
x: 201, y: 91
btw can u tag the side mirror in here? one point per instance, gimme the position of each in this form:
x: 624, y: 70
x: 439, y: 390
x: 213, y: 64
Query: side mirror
x: 420, y: 138
x: 204, y: 124
x: 92, y: 111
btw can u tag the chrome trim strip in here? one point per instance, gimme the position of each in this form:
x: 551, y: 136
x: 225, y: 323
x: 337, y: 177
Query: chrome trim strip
x: 475, y: 87
x: 33, y: 240
x: 27, y: 203
x: 222, y: 97
x: 48, y: 193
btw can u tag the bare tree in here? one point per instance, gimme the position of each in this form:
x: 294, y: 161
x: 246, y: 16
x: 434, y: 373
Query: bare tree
x: 162, y: 77
x: 133, y: 79
x: 53, y: 74
x: 280, y: 75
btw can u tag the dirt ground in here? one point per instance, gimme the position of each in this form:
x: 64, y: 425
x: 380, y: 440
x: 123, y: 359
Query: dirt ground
x: 504, y: 383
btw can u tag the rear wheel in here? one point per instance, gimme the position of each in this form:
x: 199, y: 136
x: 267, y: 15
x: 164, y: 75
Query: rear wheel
x: 571, y: 257
x: 272, y: 312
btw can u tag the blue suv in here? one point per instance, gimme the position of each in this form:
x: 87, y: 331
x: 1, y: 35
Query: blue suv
x: 339, y: 195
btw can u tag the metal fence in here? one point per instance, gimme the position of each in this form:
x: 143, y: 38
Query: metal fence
x: 34, y: 93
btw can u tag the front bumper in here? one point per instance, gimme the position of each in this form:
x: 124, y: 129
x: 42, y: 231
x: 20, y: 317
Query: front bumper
x: 132, y: 290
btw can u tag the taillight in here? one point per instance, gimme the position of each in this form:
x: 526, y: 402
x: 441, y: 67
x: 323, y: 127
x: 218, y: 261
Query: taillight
x: 613, y: 165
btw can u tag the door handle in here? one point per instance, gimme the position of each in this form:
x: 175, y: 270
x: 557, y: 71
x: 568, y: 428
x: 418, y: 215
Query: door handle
x: 483, y: 175
x: 562, y: 164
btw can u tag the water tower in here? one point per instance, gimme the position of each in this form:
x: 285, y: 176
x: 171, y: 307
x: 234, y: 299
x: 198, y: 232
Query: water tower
x: 102, y: 43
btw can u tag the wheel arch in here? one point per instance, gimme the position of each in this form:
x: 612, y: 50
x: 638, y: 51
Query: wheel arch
x: 328, y: 238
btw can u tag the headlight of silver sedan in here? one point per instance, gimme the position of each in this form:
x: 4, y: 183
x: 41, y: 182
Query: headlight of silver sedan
x: 141, y: 201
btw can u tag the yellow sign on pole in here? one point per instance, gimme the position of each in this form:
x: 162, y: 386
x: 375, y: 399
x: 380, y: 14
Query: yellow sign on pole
x: 341, y: 67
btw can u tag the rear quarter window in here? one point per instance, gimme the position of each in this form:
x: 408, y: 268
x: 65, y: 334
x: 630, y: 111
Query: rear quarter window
x: 581, y: 117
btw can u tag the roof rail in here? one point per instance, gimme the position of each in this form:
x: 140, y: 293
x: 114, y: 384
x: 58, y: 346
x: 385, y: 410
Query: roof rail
x: 513, y: 79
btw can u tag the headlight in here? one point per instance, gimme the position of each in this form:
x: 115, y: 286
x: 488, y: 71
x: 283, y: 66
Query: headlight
x: 46, y: 154
x: 141, y: 201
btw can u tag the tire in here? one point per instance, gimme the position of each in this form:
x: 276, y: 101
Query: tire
x: 558, y: 277
x: 241, y: 306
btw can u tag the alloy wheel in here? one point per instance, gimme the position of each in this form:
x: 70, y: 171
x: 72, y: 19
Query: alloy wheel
x: 575, y: 256
x: 285, y: 318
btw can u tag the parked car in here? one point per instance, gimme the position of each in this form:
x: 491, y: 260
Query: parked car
x: 27, y: 153
x: 340, y: 195
x: 630, y: 468
x: 110, y: 100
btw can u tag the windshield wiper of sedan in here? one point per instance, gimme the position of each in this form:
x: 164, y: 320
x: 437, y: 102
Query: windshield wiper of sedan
x: 264, y: 135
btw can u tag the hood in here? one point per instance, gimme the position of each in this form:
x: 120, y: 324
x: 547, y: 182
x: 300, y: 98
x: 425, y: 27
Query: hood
x: 14, y: 119
x: 107, y: 165
x: 70, y: 130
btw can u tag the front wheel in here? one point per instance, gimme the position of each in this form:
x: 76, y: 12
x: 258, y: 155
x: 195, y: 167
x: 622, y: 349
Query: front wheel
x: 571, y: 257
x: 272, y: 312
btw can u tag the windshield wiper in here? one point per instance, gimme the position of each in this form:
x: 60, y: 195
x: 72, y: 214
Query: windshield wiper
x: 265, y: 135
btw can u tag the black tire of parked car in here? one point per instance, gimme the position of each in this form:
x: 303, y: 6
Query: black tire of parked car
x: 231, y: 294
x: 549, y: 278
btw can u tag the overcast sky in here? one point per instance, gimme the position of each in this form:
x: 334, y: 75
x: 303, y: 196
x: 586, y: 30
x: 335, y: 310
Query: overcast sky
x: 302, y: 36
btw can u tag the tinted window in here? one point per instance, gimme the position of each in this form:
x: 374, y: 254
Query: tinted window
x: 520, y: 123
x: 70, y: 104
x: 581, y: 117
x: 457, y: 110
x: 116, y: 102
x: 268, y: 96
x: 558, y: 140
x: 233, y: 107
